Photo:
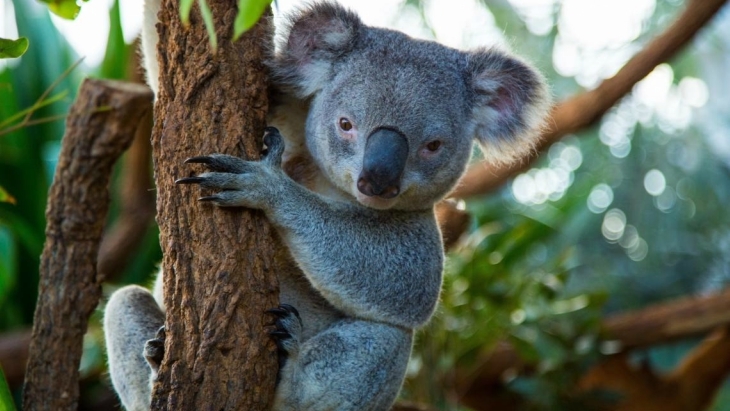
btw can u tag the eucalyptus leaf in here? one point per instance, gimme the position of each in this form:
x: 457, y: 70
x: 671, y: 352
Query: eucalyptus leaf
x: 68, y: 9
x: 185, y: 7
x: 6, y: 398
x: 209, y: 26
x: 249, y: 12
x: 13, y: 48
x: 5, y: 197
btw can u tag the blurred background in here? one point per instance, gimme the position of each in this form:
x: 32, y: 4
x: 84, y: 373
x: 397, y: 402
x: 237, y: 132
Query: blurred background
x: 592, y: 279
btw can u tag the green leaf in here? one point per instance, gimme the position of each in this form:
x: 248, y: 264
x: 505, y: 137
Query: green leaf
x: 249, y: 12
x: 68, y: 9
x: 13, y: 48
x: 208, y: 20
x: 5, y: 197
x: 6, y: 398
x: 185, y: 6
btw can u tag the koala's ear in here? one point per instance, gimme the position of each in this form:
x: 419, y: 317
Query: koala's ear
x: 317, y: 37
x: 510, y: 104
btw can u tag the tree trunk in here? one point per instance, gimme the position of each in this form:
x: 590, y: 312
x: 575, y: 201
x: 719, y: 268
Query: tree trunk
x: 219, y: 273
x: 99, y: 128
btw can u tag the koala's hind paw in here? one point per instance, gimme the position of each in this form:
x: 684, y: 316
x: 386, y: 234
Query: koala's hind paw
x: 274, y: 146
x: 288, y: 328
x: 154, y: 350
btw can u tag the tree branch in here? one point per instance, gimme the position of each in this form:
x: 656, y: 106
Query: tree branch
x: 137, y: 205
x: 137, y: 197
x: 99, y: 128
x: 585, y: 109
x: 657, y: 324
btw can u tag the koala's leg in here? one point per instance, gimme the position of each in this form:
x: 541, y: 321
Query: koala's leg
x: 132, y: 317
x: 354, y: 365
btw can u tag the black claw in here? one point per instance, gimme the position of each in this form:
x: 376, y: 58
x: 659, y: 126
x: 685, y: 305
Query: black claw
x: 199, y: 159
x: 161, y: 334
x: 283, y: 310
x: 154, y: 349
x: 270, y: 129
x: 208, y: 198
x: 189, y: 180
x: 279, y: 312
x: 279, y: 334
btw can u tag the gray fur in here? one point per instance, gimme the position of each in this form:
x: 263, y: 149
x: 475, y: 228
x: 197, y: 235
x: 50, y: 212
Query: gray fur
x: 367, y: 269
x: 131, y: 318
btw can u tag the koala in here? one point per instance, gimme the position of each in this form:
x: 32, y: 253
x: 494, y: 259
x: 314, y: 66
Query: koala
x: 371, y: 128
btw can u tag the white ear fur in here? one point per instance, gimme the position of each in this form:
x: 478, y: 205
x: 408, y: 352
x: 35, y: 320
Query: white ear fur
x: 511, y: 102
x: 316, y: 38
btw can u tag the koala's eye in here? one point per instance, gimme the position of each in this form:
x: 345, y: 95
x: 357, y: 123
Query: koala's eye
x: 433, y: 146
x: 345, y: 124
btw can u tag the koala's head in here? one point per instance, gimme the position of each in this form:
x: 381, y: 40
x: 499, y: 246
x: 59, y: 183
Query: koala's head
x: 393, y: 119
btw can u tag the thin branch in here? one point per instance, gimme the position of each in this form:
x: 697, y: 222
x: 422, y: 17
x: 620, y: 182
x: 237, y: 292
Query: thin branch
x: 26, y: 122
x: 583, y: 110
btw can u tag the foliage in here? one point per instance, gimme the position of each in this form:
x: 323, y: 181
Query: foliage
x: 68, y: 9
x: 249, y: 12
x: 43, y: 84
x: 13, y: 48
x: 6, y: 399
x: 538, y: 274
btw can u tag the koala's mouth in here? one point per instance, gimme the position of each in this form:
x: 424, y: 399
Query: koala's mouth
x: 376, y: 202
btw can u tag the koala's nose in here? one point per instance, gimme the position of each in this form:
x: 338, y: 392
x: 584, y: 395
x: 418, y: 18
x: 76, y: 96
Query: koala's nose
x: 386, y: 152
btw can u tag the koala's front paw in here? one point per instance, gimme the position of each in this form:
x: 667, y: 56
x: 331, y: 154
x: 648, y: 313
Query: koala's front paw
x: 154, y: 350
x: 242, y: 183
x: 288, y: 328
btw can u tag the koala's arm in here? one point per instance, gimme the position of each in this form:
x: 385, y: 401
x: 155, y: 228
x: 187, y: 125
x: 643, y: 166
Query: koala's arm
x: 377, y: 265
x: 382, y: 266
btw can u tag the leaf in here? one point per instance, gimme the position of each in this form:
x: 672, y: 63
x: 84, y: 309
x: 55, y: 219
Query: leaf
x: 5, y: 197
x: 249, y: 12
x: 208, y: 20
x: 185, y: 6
x: 68, y: 9
x: 13, y: 48
x: 6, y: 398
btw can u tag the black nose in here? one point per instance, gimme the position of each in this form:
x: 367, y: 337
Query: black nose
x: 386, y: 152
x: 369, y: 189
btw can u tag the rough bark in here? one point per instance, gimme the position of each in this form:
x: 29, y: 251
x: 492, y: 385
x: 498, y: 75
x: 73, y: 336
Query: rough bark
x: 220, y: 276
x: 585, y: 109
x: 99, y: 128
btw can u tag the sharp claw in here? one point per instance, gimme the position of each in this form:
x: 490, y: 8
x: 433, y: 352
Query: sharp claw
x: 199, y: 159
x: 209, y: 198
x: 290, y: 308
x: 189, y: 180
x: 279, y: 334
x: 279, y: 312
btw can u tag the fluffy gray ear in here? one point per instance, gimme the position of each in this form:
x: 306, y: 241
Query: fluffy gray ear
x: 317, y: 37
x: 510, y: 104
